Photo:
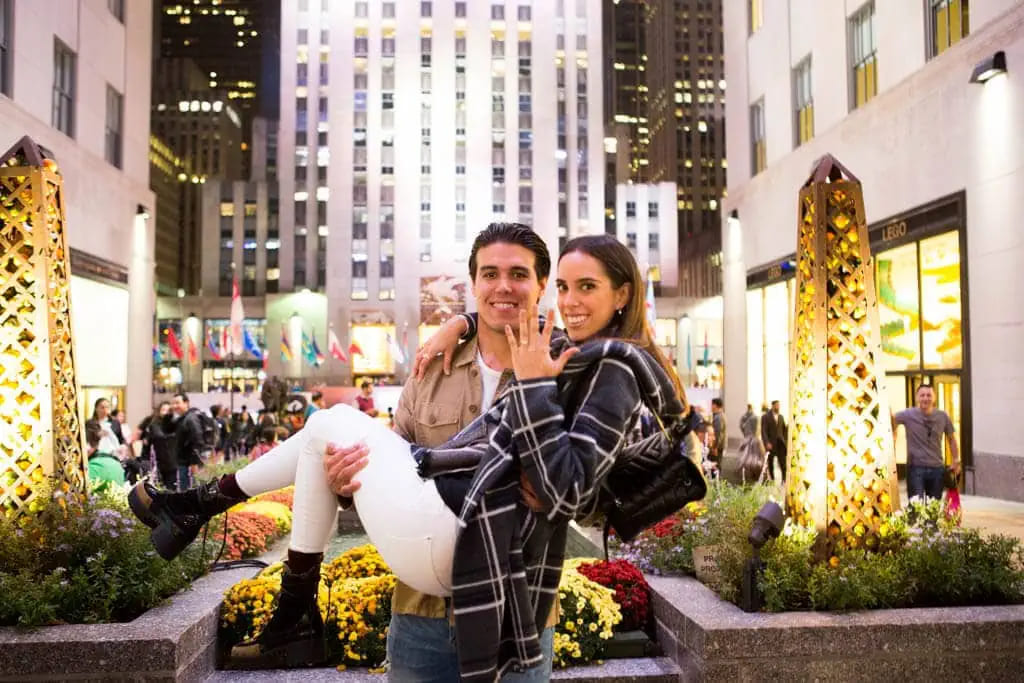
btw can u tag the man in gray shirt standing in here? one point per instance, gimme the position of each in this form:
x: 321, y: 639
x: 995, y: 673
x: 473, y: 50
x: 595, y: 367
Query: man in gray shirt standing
x: 925, y: 428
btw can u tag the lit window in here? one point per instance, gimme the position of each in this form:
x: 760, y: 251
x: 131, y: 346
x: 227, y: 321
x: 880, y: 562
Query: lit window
x: 865, y: 56
x: 758, y: 151
x: 227, y: 209
x: 756, y: 15
x: 804, y: 101
x: 949, y: 23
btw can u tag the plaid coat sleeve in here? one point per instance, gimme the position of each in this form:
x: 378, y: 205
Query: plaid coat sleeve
x: 565, y: 466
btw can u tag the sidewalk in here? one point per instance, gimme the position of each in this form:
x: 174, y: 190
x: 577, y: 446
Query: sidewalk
x: 994, y: 516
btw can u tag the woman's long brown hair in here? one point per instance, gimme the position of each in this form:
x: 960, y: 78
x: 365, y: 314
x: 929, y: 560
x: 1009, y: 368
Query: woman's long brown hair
x: 631, y: 324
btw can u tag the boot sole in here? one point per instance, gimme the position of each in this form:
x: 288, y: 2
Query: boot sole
x: 169, y: 541
x: 300, y: 653
x: 140, y: 503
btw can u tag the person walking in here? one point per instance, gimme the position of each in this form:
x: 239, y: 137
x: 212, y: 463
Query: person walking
x: 719, y: 424
x: 188, y: 440
x: 158, y: 444
x: 926, y: 427
x: 773, y: 434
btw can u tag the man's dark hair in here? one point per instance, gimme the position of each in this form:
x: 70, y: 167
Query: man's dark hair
x: 717, y: 402
x: 929, y: 387
x: 775, y: 403
x: 183, y: 397
x: 365, y: 385
x: 317, y: 395
x: 517, y: 234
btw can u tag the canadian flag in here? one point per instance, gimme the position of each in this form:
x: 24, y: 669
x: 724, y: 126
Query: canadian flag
x: 334, y: 346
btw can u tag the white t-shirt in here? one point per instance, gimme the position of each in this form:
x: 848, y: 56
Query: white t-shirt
x: 108, y: 440
x: 491, y: 378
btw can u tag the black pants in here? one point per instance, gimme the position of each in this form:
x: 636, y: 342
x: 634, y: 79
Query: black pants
x: 169, y: 478
x: 778, y: 451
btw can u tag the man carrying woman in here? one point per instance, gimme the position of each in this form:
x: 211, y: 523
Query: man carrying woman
x: 500, y: 494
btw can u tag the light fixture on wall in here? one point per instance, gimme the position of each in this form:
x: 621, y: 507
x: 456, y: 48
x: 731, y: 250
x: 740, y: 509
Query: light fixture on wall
x: 989, y: 67
x: 142, y: 211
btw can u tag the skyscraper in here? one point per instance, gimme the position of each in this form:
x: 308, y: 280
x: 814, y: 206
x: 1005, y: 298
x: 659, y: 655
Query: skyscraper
x: 407, y: 126
x: 686, y: 117
x: 235, y: 45
x: 665, y: 94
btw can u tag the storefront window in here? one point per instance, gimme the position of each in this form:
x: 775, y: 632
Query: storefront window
x: 755, y: 347
x: 898, y: 310
x: 375, y: 358
x: 776, y: 343
x: 940, y: 304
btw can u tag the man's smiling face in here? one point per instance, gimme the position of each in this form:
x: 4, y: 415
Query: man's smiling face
x: 505, y: 283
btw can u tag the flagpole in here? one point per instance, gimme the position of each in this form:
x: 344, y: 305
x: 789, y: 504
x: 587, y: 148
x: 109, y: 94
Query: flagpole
x: 231, y: 357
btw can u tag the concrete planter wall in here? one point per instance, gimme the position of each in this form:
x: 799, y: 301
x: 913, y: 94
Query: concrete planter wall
x: 172, y: 642
x: 713, y: 640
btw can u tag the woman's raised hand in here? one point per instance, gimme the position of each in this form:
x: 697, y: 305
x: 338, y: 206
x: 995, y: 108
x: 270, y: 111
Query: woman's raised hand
x: 531, y: 352
x: 444, y: 341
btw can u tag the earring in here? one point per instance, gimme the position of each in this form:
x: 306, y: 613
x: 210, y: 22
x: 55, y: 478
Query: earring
x: 618, y: 311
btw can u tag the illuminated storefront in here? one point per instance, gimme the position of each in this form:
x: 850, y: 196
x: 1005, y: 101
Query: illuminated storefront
x: 921, y: 286
x: 375, y: 357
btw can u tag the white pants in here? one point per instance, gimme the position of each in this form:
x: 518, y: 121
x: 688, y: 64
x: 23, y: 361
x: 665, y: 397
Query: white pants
x: 403, y: 515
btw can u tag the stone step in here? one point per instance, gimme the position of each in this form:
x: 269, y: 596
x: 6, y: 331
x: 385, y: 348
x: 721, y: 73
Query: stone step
x: 642, y: 670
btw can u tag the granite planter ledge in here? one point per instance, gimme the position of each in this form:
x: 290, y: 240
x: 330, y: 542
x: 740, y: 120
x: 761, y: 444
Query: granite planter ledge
x: 175, y: 641
x: 714, y: 640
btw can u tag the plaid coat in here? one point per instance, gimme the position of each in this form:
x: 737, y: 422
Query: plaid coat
x: 508, y: 559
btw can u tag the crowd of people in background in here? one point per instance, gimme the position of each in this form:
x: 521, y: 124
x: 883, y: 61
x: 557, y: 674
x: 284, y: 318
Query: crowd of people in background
x: 172, y: 443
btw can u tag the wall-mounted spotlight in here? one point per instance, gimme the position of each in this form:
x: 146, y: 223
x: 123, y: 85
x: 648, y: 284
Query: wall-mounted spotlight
x: 989, y: 67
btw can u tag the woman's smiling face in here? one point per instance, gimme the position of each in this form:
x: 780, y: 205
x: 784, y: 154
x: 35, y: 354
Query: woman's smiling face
x: 587, y: 299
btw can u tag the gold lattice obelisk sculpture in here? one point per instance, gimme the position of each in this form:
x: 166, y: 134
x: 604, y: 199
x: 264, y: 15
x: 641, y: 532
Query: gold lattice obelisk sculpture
x: 842, y: 467
x: 40, y: 431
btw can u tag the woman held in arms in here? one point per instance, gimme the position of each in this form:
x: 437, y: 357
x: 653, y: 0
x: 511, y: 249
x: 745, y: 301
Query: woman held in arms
x: 528, y: 445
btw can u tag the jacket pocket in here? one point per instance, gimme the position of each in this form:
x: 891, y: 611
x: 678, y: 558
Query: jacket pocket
x: 436, y: 423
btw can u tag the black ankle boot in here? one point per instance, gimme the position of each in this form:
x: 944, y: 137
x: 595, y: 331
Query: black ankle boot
x: 294, y: 637
x: 176, y: 518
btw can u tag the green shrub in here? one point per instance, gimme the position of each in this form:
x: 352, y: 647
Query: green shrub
x: 923, y: 558
x: 85, y: 562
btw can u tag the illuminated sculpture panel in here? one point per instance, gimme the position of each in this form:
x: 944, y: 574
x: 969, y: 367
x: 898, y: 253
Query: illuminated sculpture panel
x: 40, y: 431
x: 842, y: 467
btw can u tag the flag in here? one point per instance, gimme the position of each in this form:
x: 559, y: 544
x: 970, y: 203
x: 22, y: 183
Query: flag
x: 237, y: 315
x: 225, y: 339
x: 334, y: 347
x: 286, y: 348
x: 158, y: 357
x: 250, y: 344
x: 173, y: 345
x: 320, y: 358
x: 405, y: 336
x: 705, y: 348
x: 211, y: 345
x: 396, y: 350
x: 353, y: 349
x: 193, y: 352
x: 307, y: 350
x: 649, y: 305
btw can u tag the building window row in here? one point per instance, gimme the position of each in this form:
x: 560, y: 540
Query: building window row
x: 865, y: 55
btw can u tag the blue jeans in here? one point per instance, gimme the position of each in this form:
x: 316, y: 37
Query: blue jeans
x: 184, y: 478
x: 422, y: 650
x: 924, y: 481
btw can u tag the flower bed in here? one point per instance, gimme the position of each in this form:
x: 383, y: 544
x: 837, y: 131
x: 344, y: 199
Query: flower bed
x: 85, y: 560
x: 924, y: 559
x: 355, y: 602
x: 88, y: 560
